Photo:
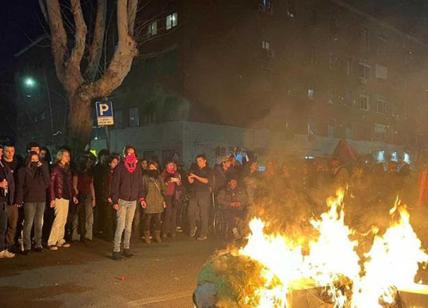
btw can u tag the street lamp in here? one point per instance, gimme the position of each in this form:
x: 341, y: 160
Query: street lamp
x: 29, y: 82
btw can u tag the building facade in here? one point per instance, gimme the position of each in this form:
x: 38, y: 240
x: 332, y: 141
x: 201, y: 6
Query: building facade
x: 323, y: 69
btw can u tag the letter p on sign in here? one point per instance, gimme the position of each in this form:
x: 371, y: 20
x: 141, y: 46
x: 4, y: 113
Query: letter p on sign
x: 104, y: 113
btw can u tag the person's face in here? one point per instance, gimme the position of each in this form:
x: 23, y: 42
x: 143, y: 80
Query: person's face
x: 65, y: 158
x: 130, y: 151
x: 201, y: 162
x: 35, y: 149
x: 9, y: 153
x: 144, y: 164
x: 233, y: 184
x: 171, y: 168
x: 227, y: 164
x: 152, y: 167
x: 103, y: 159
x: 114, y: 163
x: 35, y: 158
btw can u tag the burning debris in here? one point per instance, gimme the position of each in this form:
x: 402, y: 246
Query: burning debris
x: 328, y: 270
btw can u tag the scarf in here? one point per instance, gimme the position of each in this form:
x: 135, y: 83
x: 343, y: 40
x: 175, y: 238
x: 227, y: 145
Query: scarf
x: 131, y: 163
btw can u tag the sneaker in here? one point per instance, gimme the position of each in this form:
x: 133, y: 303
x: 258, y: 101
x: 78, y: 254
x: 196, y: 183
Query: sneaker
x: 7, y: 254
x: 179, y: 229
x: 65, y: 245
x: 193, y: 232
x: 53, y: 247
x: 127, y: 253
x: 202, y: 238
x: 116, y: 256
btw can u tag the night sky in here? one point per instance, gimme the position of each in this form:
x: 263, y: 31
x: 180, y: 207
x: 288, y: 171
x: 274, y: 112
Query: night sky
x: 21, y: 21
x: 20, y: 24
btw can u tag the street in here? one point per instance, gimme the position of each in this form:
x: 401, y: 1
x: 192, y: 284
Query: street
x: 159, y: 275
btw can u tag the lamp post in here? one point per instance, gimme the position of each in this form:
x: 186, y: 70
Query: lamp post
x: 31, y: 83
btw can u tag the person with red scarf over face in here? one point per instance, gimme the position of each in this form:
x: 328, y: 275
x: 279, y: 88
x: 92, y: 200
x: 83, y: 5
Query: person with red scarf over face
x: 172, y: 179
x: 126, y: 189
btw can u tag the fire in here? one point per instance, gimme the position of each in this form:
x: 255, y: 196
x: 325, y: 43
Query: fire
x: 332, y: 261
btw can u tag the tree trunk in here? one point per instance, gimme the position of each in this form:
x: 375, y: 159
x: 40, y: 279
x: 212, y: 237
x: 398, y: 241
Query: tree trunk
x: 80, y: 122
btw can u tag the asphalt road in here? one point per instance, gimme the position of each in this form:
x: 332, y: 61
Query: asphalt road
x: 159, y: 275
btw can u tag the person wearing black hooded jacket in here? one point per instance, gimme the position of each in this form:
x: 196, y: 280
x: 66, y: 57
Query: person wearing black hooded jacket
x: 33, y: 182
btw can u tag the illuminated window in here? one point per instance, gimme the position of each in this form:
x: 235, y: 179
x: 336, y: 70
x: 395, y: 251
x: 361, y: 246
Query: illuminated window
x: 153, y: 28
x: 171, y: 21
x: 266, y: 45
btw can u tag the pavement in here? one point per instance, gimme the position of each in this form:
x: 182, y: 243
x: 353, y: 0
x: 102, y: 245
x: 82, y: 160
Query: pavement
x: 159, y: 275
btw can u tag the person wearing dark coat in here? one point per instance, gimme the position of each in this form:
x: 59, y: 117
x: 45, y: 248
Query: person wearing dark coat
x: 32, y: 184
x: 126, y: 189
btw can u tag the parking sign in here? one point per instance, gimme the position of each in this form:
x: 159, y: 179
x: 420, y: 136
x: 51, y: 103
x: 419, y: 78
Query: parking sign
x: 104, y: 113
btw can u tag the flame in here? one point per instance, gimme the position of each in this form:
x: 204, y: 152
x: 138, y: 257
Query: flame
x: 392, y: 262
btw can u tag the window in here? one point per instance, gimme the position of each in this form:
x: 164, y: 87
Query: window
x: 381, y: 105
x: 364, y: 102
x: 153, y: 28
x: 291, y: 8
x: 365, y: 37
x: 381, y: 72
x: 171, y: 21
x: 134, y: 117
x: 349, y: 66
x: 333, y: 62
x: 349, y: 133
x: 311, y: 93
x: 333, y: 24
x: 381, y: 44
x: 266, y: 5
x: 266, y: 45
x: 364, y: 72
x: 380, y: 131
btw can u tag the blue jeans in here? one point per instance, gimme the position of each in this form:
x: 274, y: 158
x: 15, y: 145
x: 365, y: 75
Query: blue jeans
x: 124, y: 218
x: 3, y: 225
x: 33, y: 214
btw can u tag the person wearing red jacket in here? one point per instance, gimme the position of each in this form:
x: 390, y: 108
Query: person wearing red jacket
x: 61, y: 193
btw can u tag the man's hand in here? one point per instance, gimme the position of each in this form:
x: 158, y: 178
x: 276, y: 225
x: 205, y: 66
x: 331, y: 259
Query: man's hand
x: 116, y: 207
x: 191, y: 178
x: 3, y: 184
x: 109, y: 200
x: 94, y: 203
x: 143, y: 204
x: 52, y: 203
x: 75, y: 200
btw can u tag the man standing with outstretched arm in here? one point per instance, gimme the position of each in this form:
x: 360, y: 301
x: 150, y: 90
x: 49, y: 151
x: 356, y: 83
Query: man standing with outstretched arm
x: 127, y: 188
x: 200, y: 202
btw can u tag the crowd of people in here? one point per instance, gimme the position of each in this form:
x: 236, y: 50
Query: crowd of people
x: 47, y: 204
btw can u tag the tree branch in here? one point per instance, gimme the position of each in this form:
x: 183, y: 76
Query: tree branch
x: 132, y: 12
x: 73, y: 73
x: 42, y: 6
x: 121, y: 62
x: 96, y: 48
x: 58, y: 38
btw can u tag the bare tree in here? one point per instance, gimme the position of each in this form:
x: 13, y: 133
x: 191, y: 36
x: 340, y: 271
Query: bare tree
x: 82, y: 88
